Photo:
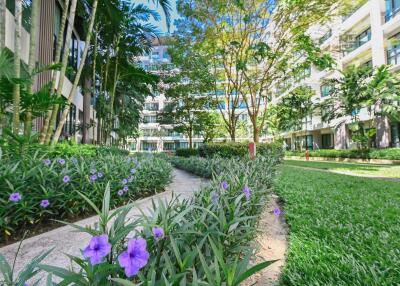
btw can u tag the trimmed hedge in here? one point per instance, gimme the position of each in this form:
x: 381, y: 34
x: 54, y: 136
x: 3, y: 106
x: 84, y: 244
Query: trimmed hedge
x: 387, y: 154
x: 232, y: 149
x: 187, y: 152
x: 62, y: 150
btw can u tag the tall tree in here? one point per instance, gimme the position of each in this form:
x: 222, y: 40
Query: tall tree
x: 263, y: 43
x: 32, y: 60
x: 17, y: 65
x: 72, y: 93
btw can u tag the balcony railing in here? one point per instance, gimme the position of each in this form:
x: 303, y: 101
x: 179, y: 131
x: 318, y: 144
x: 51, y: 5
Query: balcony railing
x: 391, y: 13
x: 325, y: 37
x: 359, y: 41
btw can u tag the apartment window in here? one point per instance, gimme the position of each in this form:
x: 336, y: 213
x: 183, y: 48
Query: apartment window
x: 169, y: 146
x: 149, y: 146
x: 392, y: 9
x: 183, y: 145
x: 155, y: 55
x: 393, y: 53
x: 150, y: 119
x: 57, y: 27
x: 73, y: 53
x: 151, y: 106
x: 26, y: 12
x: 395, y: 135
x: 327, y: 141
x: 325, y: 37
x: 326, y: 90
x: 359, y: 40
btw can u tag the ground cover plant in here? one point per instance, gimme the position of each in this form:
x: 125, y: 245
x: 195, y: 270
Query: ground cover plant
x: 391, y: 171
x: 204, y: 240
x: 343, y: 230
x: 37, y: 188
x: 388, y: 154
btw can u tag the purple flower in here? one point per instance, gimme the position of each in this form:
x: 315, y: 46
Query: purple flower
x: 66, y: 179
x: 15, y: 197
x: 125, y: 189
x: 47, y: 162
x: 224, y: 185
x: 247, y: 192
x: 124, y: 181
x: 130, y: 179
x: 120, y: 192
x: 61, y: 161
x: 93, y: 171
x: 44, y: 203
x: 135, y: 257
x: 158, y: 232
x: 214, y: 198
x: 133, y: 171
x: 100, y: 174
x: 277, y: 211
x: 98, y: 248
x: 93, y: 178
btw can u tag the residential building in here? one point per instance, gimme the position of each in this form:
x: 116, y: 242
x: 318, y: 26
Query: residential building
x: 370, y: 35
x: 82, y: 111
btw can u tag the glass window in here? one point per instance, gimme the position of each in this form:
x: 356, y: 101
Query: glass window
x: 392, y: 9
x: 326, y: 90
x: 327, y: 141
x: 393, y: 53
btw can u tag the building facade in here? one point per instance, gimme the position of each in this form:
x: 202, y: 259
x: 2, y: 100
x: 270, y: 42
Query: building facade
x: 369, y: 36
x: 82, y: 112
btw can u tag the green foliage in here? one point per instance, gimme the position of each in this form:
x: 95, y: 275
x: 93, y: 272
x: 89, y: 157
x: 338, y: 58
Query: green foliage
x: 36, y: 181
x: 343, y: 229
x: 18, y: 147
x: 228, y: 150
x: 389, y: 154
x: 187, y: 152
x: 205, y: 242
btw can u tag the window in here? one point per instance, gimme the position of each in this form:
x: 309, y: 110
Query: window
x: 393, y: 53
x: 325, y: 37
x: 359, y: 40
x: 57, y: 27
x: 151, y: 106
x: 326, y: 90
x: 327, y: 141
x: 395, y: 135
x: 26, y: 12
x: 150, y: 119
x: 149, y: 146
x: 392, y: 9
x: 169, y: 146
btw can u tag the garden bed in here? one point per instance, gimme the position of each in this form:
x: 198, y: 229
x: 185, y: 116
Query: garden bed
x: 38, y: 188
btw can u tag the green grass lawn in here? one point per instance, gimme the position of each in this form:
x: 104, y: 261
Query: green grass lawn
x: 390, y: 171
x: 343, y: 230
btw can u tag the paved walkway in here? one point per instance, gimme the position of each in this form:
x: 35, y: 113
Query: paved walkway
x: 348, y: 173
x: 64, y: 240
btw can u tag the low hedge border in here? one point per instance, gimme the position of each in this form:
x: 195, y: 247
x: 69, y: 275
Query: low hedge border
x: 233, y: 149
x: 385, y: 154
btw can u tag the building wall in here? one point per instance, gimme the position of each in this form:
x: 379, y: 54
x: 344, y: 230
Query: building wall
x: 335, y: 38
x: 45, y: 57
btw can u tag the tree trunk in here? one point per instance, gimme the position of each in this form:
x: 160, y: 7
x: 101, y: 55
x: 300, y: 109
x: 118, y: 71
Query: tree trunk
x: 190, y: 135
x: 71, y: 21
x: 17, y: 64
x: 256, y: 134
x: 86, y: 111
x: 78, y: 74
x: 2, y: 24
x: 94, y: 73
x: 32, y: 61
x: 59, y: 45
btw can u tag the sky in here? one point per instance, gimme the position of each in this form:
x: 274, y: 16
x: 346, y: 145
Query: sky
x: 162, y: 26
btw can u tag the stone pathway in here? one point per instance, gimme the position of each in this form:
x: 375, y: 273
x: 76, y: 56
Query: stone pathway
x: 64, y: 240
x: 348, y: 173
x: 272, y: 245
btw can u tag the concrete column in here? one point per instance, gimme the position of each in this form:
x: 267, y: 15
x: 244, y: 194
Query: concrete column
x: 377, y: 36
x: 341, y: 137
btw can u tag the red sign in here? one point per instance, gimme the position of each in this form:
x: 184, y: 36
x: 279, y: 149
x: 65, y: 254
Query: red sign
x: 252, y: 150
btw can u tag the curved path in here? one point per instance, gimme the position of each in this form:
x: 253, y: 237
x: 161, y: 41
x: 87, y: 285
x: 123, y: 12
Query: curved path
x: 64, y: 240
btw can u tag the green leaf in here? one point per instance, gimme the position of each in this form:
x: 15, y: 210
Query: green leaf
x: 252, y: 271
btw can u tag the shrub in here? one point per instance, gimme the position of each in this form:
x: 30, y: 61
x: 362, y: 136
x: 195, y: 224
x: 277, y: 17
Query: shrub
x: 228, y: 150
x: 207, y: 238
x: 187, y: 152
x: 62, y: 150
x: 389, y: 154
x: 38, y: 178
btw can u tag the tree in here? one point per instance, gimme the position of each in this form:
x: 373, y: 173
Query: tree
x: 262, y: 44
x: 375, y: 89
x: 211, y: 126
x: 32, y: 60
x: 17, y: 65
